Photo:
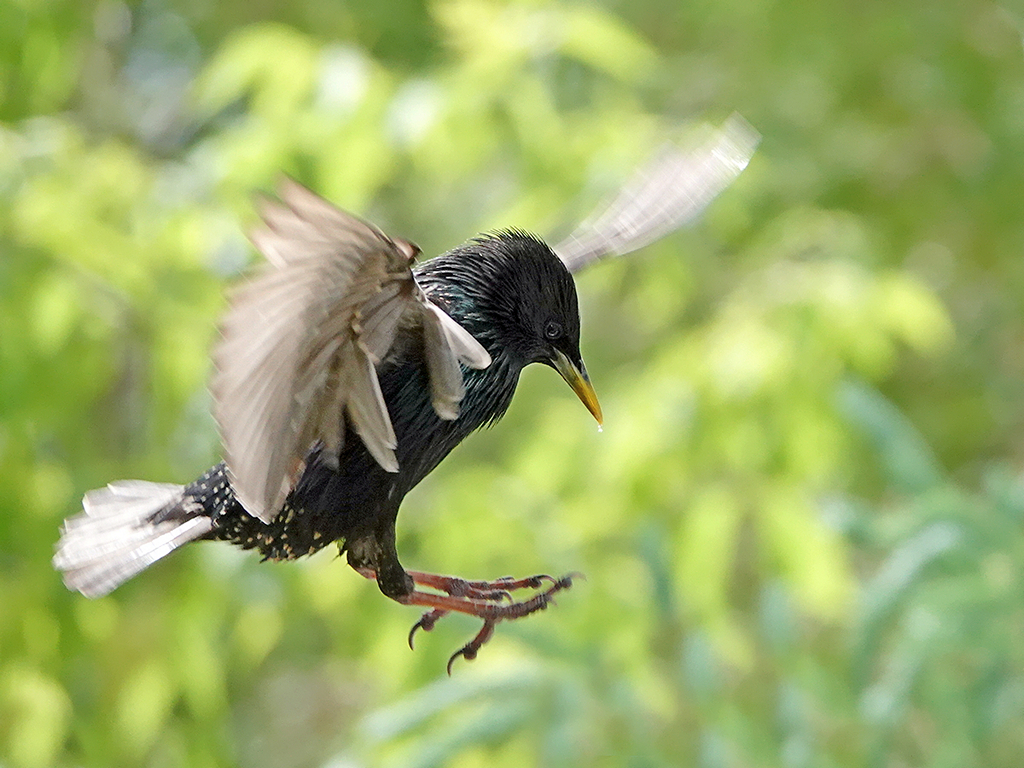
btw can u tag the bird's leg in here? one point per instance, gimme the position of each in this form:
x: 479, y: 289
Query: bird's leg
x: 498, y: 589
x: 483, y: 599
x: 490, y: 610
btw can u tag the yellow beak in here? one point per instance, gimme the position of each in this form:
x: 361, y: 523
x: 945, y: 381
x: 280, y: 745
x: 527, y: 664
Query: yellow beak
x: 578, y: 379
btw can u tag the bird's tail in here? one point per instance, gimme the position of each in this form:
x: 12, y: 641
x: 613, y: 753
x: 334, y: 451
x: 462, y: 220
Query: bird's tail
x: 123, y: 529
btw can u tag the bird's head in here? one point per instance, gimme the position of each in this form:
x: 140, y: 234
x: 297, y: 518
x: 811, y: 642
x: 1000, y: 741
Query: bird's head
x: 517, y: 298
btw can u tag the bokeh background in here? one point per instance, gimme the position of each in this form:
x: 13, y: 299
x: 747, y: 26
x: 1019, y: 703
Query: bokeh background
x: 802, y: 525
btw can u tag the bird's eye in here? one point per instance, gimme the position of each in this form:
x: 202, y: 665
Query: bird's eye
x: 553, y: 330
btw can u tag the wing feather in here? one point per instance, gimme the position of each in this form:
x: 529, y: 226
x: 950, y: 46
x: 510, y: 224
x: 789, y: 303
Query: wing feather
x: 446, y: 387
x: 381, y: 317
x: 671, y: 190
x: 368, y: 412
x: 468, y: 350
x: 300, y: 342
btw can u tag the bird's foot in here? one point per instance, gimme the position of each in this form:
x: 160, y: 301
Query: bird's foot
x: 498, y: 589
x: 487, y: 600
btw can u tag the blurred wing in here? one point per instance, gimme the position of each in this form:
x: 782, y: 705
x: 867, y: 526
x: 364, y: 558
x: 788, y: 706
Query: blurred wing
x: 670, y: 191
x: 301, y: 341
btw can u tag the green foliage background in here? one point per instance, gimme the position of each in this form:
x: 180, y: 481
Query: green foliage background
x: 801, y: 526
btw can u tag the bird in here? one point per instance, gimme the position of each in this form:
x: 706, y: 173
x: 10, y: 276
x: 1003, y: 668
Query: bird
x: 345, y: 372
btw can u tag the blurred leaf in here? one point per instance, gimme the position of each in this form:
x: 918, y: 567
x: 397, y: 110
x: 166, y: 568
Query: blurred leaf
x: 38, y: 713
x: 605, y: 43
x: 898, y: 575
x: 801, y: 525
x: 905, y: 457
x: 807, y: 553
x: 144, y: 704
x: 242, y: 68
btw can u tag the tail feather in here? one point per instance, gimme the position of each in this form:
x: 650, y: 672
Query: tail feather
x: 125, y: 528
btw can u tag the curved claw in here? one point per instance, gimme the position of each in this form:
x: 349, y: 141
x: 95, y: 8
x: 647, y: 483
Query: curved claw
x: 470, y: 649
x: 426, y: 623
x: 412, y: 634
x: 464, y: 651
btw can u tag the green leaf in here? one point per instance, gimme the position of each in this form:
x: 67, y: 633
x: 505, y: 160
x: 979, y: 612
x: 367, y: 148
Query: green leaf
x: 904, y: 456
x: 602, y: 41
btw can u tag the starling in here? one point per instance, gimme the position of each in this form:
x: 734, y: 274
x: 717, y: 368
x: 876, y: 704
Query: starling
x: 344, y: 375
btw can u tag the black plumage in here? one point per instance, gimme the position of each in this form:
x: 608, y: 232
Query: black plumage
x: 506, y: 290
x: 343, y: 377
x: 514, y: 296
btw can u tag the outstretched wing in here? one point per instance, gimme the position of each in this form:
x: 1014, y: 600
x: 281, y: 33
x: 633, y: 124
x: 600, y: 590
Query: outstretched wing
x: 671, y: 190
x: 301, y: 341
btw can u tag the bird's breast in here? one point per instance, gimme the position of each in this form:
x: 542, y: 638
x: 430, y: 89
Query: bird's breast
x: 423, y: 438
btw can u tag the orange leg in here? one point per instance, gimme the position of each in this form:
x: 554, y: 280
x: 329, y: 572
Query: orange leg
x: 484, y: 599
